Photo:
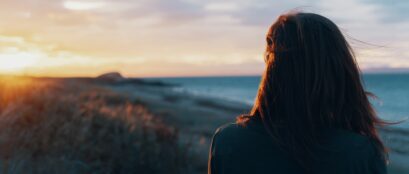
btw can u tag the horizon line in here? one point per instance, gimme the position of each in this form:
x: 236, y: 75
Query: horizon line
x: 373, y: 71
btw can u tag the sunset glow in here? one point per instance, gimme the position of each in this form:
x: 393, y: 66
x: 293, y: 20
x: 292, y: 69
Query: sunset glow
x: 16, y: 62
x: 180, y: 38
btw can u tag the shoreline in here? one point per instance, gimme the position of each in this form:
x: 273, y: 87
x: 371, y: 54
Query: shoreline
x: 194, y: 118
x: 198, y: 116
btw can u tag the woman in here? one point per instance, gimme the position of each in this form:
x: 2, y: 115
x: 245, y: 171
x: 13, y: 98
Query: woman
x: 311, y: 114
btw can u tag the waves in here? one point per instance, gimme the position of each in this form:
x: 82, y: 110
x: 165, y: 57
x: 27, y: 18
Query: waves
x: 396, y: 139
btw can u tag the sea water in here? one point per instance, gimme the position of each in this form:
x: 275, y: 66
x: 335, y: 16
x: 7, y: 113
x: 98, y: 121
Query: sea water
x: 392, y: 91
x: 392, y: 103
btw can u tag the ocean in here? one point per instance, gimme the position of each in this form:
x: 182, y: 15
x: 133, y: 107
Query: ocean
x: 392, y: 91
x: 392, y: 103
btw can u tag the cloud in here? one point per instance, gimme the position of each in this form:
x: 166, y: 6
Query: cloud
x: 83, y: 5
x: 222, y: 6
x: 393, y: 11
x: 226, y: 33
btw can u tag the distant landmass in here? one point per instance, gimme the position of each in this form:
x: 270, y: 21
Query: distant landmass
x: 386, y: 70
x: 111, y: 76
x: 116, y: 78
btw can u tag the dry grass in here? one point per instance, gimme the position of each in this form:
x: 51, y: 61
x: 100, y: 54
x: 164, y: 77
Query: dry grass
x: 49, y: 126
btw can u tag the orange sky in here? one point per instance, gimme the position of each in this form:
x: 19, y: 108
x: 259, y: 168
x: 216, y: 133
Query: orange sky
x: 178, y: 37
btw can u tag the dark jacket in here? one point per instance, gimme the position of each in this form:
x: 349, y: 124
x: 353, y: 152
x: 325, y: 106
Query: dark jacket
x: 238, y: 149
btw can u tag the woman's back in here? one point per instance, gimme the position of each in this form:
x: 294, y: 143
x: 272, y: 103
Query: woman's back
x: 248, y: 148
x: 311, y: 114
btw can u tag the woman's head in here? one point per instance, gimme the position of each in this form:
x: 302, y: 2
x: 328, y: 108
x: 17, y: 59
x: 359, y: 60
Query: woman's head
x: 311, y: 83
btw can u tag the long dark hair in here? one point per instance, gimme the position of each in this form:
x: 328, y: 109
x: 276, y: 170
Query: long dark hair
x: 311, y: 83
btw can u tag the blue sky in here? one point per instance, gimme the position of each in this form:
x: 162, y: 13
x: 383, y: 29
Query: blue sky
x: 181, y: 37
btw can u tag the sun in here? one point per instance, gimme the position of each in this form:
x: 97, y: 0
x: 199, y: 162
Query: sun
x: 16, y: 62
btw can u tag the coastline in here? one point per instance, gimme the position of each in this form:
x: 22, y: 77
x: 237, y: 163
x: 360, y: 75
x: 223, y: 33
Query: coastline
x: 198, y: 116
x: 195, y: 117
x: 191, y: 119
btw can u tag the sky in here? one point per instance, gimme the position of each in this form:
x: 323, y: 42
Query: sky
x: 150, y: 38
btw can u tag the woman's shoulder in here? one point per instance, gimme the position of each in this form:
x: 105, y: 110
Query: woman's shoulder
x: 341, y: 148
x: 253, y: 126
x: 254, y: 130
x: 240, y: 127
x: 240, y: 140
x: 228, y: 130
x: 240, y: 135
x: 349, y: 139
x: 354, y: 148
x: 232, y: 134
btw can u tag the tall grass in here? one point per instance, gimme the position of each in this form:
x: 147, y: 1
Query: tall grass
x: 51, y: 126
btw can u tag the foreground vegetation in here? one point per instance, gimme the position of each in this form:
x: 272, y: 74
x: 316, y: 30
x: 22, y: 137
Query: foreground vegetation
x: 66, y: 126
